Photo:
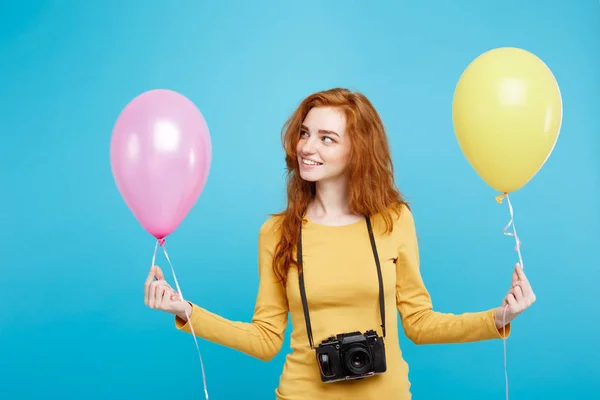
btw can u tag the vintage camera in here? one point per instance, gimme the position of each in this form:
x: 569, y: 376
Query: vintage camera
x: 351, y: 355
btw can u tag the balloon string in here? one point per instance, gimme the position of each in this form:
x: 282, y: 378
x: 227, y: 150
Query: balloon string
x: 182, y: 298
x: 504, y: 340
x: 518, y: 250
x: 512, y: 223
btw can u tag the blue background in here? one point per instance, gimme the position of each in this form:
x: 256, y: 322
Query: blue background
x: 72, y: 317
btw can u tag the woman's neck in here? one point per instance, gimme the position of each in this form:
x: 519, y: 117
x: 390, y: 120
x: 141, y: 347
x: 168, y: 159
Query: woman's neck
x: 331, y: 204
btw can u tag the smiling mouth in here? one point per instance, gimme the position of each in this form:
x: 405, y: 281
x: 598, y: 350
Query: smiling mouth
x: 310, y: 162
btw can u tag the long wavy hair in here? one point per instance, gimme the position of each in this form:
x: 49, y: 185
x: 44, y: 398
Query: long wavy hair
x: 372, y: 188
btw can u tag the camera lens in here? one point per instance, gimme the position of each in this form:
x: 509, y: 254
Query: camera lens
x: 358, y: 360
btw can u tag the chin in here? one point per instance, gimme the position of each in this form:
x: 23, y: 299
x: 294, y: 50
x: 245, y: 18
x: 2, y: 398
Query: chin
x: 309, y: 177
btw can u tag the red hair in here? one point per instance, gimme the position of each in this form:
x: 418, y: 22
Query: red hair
x: 372, y: 188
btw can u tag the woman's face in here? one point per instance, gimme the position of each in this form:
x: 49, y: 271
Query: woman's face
x: 324, y: 147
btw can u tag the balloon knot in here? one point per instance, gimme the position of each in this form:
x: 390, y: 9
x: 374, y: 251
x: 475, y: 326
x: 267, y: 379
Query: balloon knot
x: 161, y: 241
x: 501, y: 197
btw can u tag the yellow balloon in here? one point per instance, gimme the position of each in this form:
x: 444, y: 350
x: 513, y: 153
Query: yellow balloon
x: 507, y: 115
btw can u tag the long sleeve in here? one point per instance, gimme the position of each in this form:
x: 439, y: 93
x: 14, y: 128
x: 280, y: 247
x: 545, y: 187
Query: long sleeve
x: 263, y: 337
x: 421, y: 324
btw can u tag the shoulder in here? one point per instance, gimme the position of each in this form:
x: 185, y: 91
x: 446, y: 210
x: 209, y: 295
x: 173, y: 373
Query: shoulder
x: 405, y: 231
x: 400, y: 213
x: 270, y: 229
x: 271, y: 225
x: 397, y: 218
x: 404, y: 215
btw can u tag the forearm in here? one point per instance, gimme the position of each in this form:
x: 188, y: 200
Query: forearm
x: 262, y: 338
x: 431, y: 327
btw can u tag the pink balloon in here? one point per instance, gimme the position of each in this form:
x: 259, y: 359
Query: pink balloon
x: 160, y: 155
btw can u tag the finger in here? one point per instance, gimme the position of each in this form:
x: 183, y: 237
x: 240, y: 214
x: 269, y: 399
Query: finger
x: 528, y: 293
x: 504, y: 301
x: 515, y: 276
x: 174, y: 296
x: 161, y: 286
x: 526, y: 288
x: 512, y: 302
x: 166, y: 298
x: 524, y: 282
x: 152, y: 294
x: 520, y: 273
x: 159, y: 273
x: 530, y: 298
x: 160, y: 293
x: 519, y: 294
x: 151, y: 275
x: 147, y: 283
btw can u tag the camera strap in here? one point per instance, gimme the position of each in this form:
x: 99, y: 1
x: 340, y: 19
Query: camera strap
x: 303, y: 291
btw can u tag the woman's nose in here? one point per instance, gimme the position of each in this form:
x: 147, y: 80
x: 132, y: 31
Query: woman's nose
x: 309, y: 146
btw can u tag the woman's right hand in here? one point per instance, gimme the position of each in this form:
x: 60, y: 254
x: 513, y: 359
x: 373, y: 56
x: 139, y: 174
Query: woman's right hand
x: 159, y: 295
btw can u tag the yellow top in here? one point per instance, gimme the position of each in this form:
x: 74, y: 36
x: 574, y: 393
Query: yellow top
x: 342, y: 290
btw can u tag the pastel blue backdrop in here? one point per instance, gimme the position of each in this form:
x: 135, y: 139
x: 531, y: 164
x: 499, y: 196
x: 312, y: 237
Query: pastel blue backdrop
x: 72, y: 318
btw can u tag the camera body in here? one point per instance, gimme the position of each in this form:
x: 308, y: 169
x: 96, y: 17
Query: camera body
x: 352, y: 355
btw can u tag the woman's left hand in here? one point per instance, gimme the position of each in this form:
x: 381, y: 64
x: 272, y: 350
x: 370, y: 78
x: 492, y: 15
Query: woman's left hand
x: 519, y: 298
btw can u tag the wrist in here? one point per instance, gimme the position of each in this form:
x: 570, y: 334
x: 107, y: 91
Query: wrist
x: 187, y: 311
x: 500, y: 318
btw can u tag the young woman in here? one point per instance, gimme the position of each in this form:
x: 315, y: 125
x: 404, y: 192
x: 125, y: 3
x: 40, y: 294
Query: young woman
x: 347, y: 242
